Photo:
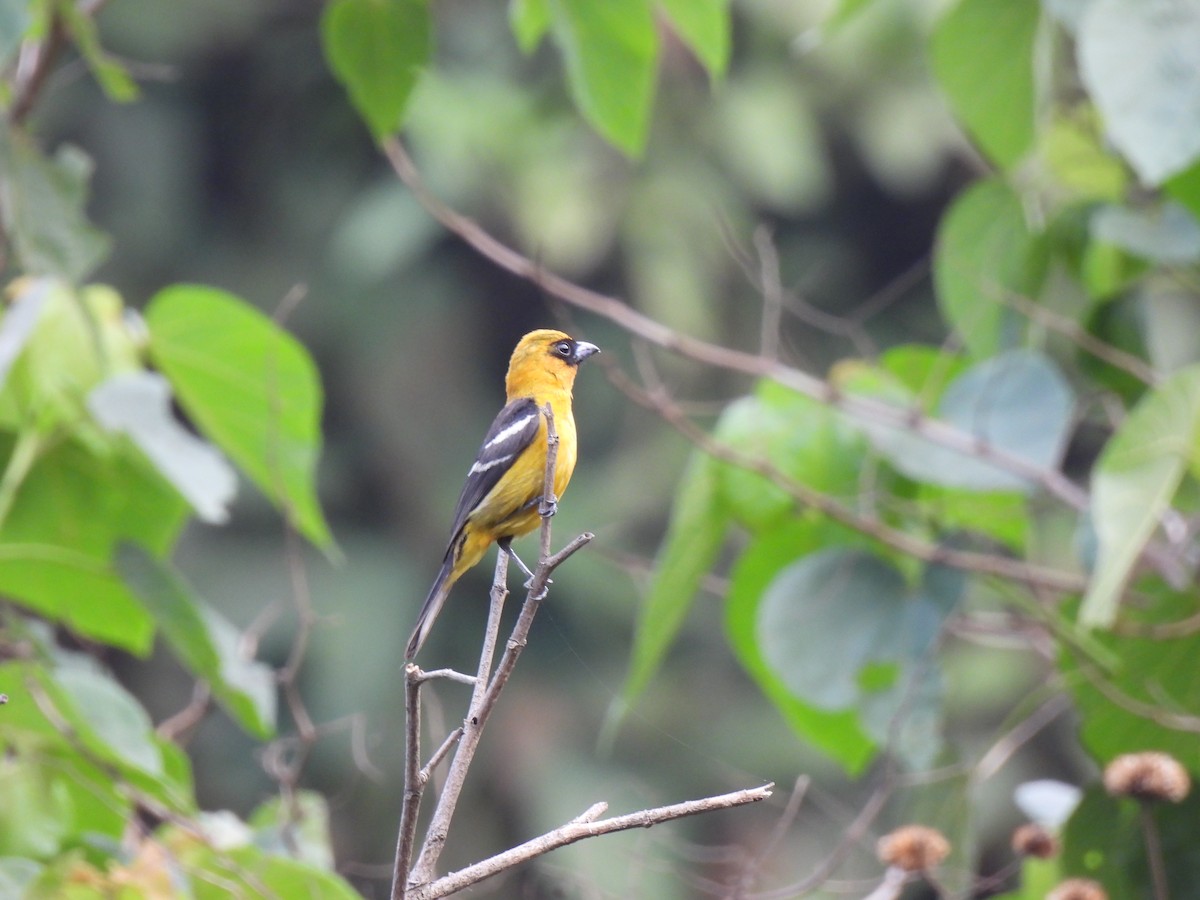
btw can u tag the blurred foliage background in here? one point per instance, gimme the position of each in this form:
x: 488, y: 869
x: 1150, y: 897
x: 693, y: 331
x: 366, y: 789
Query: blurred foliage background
x: 243, y: 166
x: 827, y: 149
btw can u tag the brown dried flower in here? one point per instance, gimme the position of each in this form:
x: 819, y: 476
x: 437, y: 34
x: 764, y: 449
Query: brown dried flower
x: 913, y: 848
x: 1078, y: 889
x: 1147, y: 776
x: 1034, y: 840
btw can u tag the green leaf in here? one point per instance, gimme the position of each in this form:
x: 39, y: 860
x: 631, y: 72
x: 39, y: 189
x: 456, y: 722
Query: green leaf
x: 842, y: 631
x: 43, y: 209
x: 1073, y: 150
x: 925, y: 371
x: 689, y: 551
x: 1001, y: 515
x: 1138, y: 60
x: 15, y: 20
x: 837, y: 733
x: 114, y: 78
x: 251, y: 387
x: 1133, y: 483
x: 1105, y: 841
x: 35, y: 812
x: 1169, y: 234
x: 57, y: 540
x: 1148, y: 696
x: 377, y: 50
x: 1184, y: 188
x: 983, y: 58
x: 800, y: 437
x: 704, y: 26
x: 16, y: 876
x: 206, y: 642
x: 250, y: 872
x: 529, y: 21
x: 985, y: 252
x: 138, y: 404
x: 611, y: 50
x: 299, y: 828
x: 1038, y: 878
x: 1017, y: 403
x: 65, y: 343
x: 846, y: 11
x: 105, y: 716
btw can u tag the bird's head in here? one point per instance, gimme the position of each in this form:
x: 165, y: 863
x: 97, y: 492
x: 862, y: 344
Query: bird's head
x: 546, y: 353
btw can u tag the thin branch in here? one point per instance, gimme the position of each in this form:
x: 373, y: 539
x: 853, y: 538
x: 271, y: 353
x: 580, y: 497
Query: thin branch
x: 1154, y: 852
x: 864, y: 408
x: 489, y: 685
x: 1166, y: 718
x: 578, y: 829
x: 871, y: 525
x: 772, y: 291
x: 472, y: 731
x: 753, y: 867
x: 34, y: 64
x: 850, y: 838
x: 441, y: 752
x: 1081, y: 337
x: 1013, y: 740
x: 414, y: 779
x: 179, y: 726
x: 447, y: 674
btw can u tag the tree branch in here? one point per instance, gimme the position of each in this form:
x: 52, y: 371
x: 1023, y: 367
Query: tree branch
x: 870, y: 525
x: 868, y: 409
x: 486, y: 691
x: 583, y: 826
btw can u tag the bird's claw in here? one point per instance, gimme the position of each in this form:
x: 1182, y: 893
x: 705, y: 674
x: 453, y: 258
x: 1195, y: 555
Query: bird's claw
x: 547, y: 508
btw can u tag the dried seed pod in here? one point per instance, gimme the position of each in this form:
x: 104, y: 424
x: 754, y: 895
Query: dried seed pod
x: 1033, y: 840
x: 1147, y: 776
x: 913, y: 848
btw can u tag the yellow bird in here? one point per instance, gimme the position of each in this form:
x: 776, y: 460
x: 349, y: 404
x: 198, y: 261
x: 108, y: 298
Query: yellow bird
x: 504, y: 486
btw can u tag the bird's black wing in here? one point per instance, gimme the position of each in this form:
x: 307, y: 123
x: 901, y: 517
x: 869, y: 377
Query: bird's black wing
x: 512, y: 431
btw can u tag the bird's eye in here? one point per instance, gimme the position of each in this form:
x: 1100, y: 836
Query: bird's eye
x: 563, y: 349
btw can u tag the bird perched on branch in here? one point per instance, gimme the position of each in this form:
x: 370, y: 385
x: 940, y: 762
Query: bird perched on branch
x: 504, y: 488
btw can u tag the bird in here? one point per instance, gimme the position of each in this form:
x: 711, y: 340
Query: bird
x: 503, y: 493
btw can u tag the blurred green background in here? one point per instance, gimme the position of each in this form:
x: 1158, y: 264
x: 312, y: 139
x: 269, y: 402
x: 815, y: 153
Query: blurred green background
x: 244, y: 167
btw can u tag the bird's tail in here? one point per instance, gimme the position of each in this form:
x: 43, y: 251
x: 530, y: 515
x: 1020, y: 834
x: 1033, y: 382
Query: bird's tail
x: 430, y: 609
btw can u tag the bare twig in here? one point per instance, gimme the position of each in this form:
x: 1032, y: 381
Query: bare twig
x: 579, y: 828
x: 418, y: 883
x: 850, y: 838
x: 414, y: 780
x: 34, y: 64
x: 752, y: 868
x: 866, y: 523
x: 447, y: 674
x: 1012, y: 741
x: 179, y: 726
x: 772, y: 291
x: 472, y: 731
x: 487, y: 685
x: 1164, y: 717
x: 1084, y: 339
x: 441, y: 752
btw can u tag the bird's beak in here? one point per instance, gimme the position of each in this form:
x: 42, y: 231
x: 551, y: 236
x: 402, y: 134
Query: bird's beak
x: 582, y: 351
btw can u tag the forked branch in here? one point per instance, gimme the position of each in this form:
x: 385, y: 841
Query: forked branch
x: 416, y: 880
